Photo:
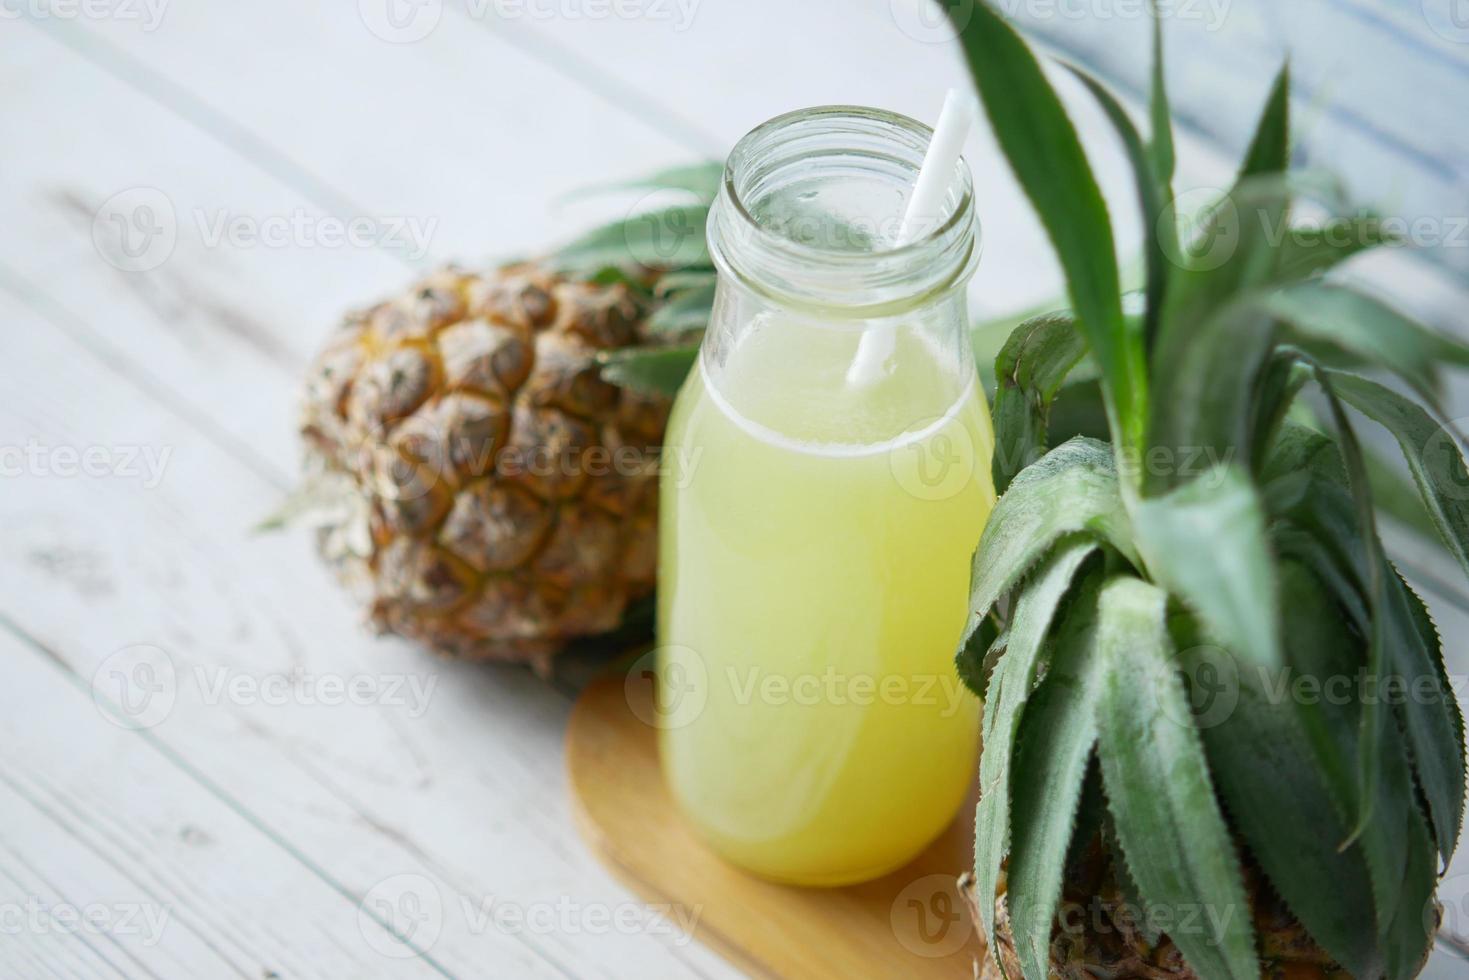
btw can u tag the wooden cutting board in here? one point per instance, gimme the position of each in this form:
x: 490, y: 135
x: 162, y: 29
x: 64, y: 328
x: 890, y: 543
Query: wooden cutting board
x: 908, y: 924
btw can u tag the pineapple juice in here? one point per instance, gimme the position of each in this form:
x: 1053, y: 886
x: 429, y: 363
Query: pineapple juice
x: 816, y: 538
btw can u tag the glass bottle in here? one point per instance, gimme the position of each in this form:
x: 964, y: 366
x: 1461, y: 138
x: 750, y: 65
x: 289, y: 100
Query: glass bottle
x: 825, y: 482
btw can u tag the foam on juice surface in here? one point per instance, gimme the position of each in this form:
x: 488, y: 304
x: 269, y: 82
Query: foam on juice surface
x: 791, y: 384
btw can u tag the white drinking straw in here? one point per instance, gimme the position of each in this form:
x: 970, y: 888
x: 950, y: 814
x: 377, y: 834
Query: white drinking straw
x: 925, y: 206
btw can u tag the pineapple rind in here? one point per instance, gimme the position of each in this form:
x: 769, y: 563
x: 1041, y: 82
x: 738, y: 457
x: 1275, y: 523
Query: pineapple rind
x: 496, y: 497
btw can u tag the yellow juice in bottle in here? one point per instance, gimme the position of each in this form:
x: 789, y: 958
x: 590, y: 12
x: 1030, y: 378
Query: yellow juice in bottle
x: 816, y: 538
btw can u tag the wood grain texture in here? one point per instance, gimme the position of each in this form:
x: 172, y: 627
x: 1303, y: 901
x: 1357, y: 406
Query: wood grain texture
x: 466, y: 794
x: 907, y: 924
x: 262, y: 111
x: 100, y: 826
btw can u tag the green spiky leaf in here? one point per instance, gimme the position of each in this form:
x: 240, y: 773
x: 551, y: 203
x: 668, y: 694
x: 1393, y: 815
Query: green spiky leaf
x: 1029, y: 370
x: 1392, y: 844
x: 665, y: 238
x: 1275, y: 785
x: 1009, y: 688
x: 1269, y: 151
x: 683, y: 311
x: 1338, y: 316
x: 700, y: 179
x: 976, y: 659
x: 1073, y: 488
x: 1428, y: 631
x: 1055, y: 743
x: 1159, y: 790
x: 651, y: 370
x: 1126, y: 882
x: 1160, y: 233
x: 1233, y: 590
x: 989, y: 336
x: 1392, y: 493
x: 1397, y: 497
x: 1160, y: 146
x: 1275, y: 392
x: 1402, y: 648
x: 1410, y: 934
x: 1432, y: 452
x: 1236, y: 251
x: 1427, y: 711
x: 1372, y: 750
x: 1042, y: 148
x: 684, y: 279
x: 1005, y: 699
x: 1204, y: 389
x: 1314, y: 249
x: 1028, y: 625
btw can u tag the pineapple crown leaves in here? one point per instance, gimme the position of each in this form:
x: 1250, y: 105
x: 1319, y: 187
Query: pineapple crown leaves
x: 662, y: 253
x: 1149, y: 602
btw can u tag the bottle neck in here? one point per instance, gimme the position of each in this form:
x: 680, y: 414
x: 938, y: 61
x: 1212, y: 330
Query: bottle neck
x: 809, y: 210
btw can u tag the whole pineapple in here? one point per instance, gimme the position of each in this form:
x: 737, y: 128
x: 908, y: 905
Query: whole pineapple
x: 477, y: 482
x: 1193, y: 765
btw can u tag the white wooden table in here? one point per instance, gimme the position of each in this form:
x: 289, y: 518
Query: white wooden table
x: 269, y: 822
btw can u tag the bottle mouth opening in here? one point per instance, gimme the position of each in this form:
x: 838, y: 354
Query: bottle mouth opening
x: 811, y: 205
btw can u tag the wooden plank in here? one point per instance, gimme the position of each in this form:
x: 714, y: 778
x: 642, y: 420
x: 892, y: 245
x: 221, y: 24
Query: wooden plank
x: 45, y: 934
x: 114, y: 862
x: 457, y: 784
x: 459, y: 128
